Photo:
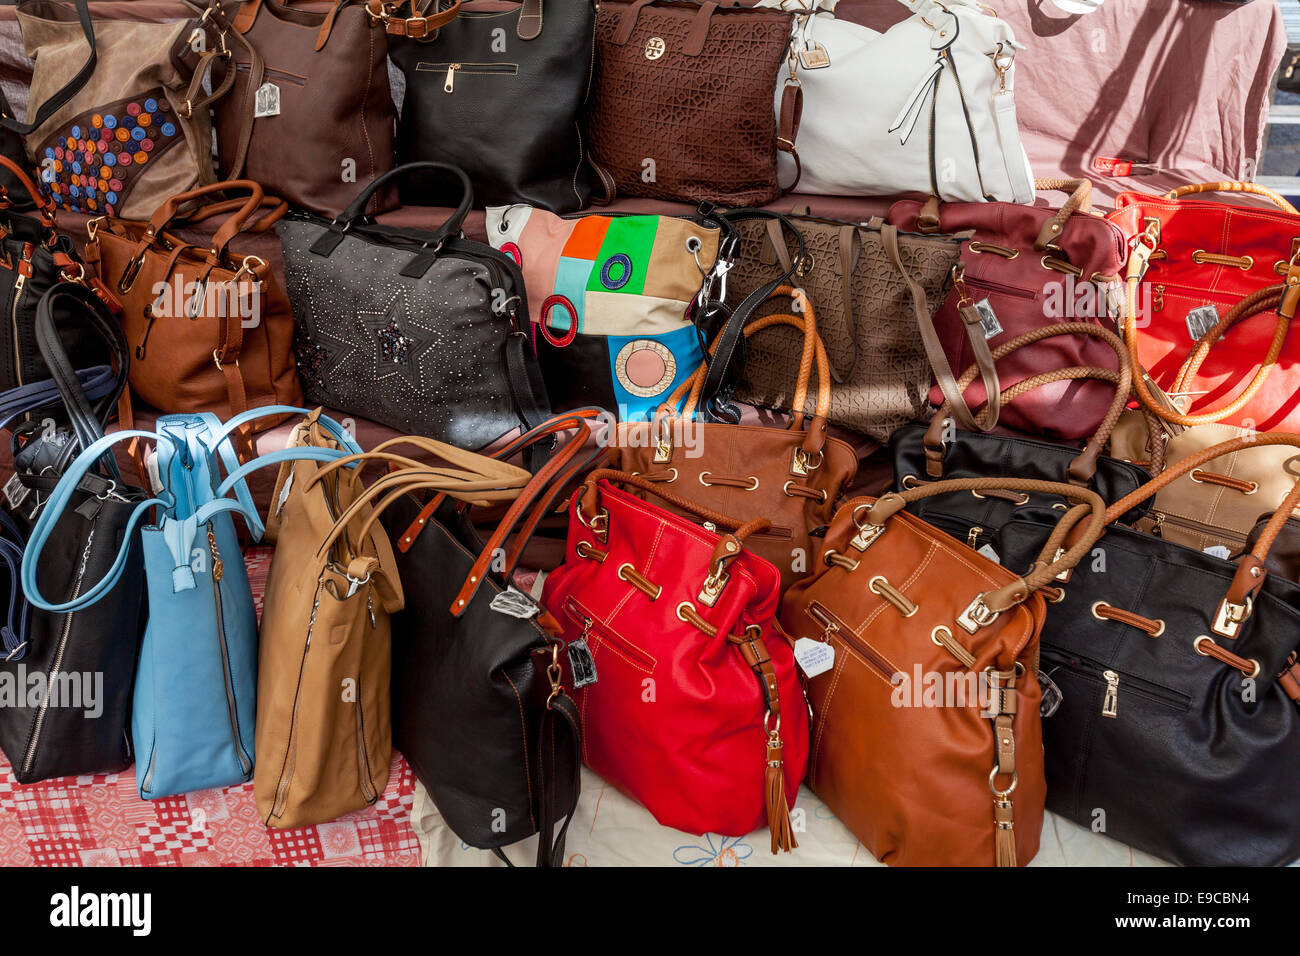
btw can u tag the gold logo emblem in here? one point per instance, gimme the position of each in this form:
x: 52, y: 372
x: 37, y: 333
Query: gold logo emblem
x: 654, y: 48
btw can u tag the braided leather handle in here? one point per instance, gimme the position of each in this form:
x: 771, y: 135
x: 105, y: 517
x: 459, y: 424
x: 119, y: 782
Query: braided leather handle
x: 1080, y: 200
x: 1234, y: 187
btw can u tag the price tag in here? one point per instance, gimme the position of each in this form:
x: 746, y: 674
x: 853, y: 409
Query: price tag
x: 813, y: 657
x: 267, y: 101
x: 988, y: 319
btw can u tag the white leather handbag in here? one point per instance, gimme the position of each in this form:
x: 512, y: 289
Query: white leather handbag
x: 926, y: 106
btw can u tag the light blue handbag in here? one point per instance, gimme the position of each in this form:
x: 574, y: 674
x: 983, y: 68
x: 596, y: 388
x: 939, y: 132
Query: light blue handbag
x: 195, y: 685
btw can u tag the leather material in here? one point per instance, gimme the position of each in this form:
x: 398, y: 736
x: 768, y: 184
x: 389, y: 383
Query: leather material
x: 869, y: 323
x: 419, y: 331
x: 137, y: 64
x: 690, y: 87
x: 34, y: 256
x: 472, y: 117
x: 1178, y: 284
x: 459, y: 662
x: 1004, y: 265
x: 219, y: 360
x: 694, y: 759
x: 955, y: 134
x: 324, y: 740
x: 1196, y: 510
x: 334, y: 104
x: 911, y: 779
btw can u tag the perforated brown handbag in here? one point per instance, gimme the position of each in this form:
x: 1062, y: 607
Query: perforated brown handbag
x: 792, y: 476
x: 682, y: 101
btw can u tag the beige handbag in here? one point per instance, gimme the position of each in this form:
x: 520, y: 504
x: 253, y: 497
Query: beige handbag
x: 876, y: 292
x: 324, y: 730
x: 139, y: 131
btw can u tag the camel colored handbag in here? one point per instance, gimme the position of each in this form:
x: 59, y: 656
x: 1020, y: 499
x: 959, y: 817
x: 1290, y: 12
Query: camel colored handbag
x: 920, y: 661
x: 792, y: 476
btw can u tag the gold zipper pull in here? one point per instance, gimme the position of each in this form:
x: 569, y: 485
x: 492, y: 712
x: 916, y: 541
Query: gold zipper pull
x: 1158, y: 298
x: 1110, y: 706
x: 370, y: 608
x: 218, y: 569
x: 449, y: 85
x: 974, y: 536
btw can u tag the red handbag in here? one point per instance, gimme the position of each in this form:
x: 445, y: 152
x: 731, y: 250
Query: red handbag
x: 1032, y: 266
x: 1205, y: 315
x: 686, y: 687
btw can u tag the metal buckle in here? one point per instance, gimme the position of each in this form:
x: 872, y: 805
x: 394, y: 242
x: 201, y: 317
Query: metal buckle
x: 867, y: 533
x: 712, y: 587
x: 976, y: 615
x: 1230, y: 617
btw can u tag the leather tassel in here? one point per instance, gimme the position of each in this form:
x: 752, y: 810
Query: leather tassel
x: 1005, y: 842
x: 778, y: 809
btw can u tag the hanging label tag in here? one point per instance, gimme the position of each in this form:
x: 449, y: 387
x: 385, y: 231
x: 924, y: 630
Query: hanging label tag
x: 581, y: 664
x: 15, y: 492
x: 515, y: 603
x: 1201, y: 320
x: 284, y: 493
x: 814, y: 57
x: 267, y: 101
x: 1052, y: 696
x: 988, y: 319
x: 988, y: 552
x: 1218, y: 551
x: 813, y: 657
x: 151, y: 466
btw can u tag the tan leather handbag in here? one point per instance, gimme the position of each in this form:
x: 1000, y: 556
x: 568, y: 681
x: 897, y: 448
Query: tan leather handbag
x: 792, y: 476
x: 920, y: 656
x: 324, y: 737
x: 211, y: 329
x: 876, y: 291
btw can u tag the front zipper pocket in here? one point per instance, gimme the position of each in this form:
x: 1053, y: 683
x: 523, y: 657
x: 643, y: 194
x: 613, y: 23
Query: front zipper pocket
x: 598, y: 635
x: 1193, y: 526
x: 832, y: 624
x: 992, y: 285
x: 291, y: 745
x: 363, y: 756
x: 232, y: 708
x: 1115, y: 686
x: 451, y: 70
x: 293, y: 79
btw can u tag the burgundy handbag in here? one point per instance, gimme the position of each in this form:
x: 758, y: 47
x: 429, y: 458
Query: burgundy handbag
x: 1029, y: 266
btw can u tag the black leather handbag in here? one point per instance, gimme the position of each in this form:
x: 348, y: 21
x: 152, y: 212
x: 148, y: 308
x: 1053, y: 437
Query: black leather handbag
x: 12, y: 131
x: 420, y: 331
x: 86, y: 658
x: 500, y: 91
x: 478, y: 708
x: 937, y: 451
x: 1177, y: 729
x: 34, y: 256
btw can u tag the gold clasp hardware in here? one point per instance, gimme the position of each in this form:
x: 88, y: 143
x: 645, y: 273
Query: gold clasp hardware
x: 977, y: 615
x: 803, y: 463
x: 664, y: 444
x: 92, y: 228
x: 867, y: 533
x: 712, y: 587
x: 1231, y: 616
x: 553, y: 672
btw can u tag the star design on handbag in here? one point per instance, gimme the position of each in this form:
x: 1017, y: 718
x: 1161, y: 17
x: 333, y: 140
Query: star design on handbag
x: 398, y: 346
x: 318, y: 351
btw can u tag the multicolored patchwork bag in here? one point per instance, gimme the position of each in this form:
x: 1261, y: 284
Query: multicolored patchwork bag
x: 612, y: 300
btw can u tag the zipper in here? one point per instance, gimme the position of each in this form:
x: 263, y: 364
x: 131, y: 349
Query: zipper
x: 599, y: 634
x: 1114, y: 680
x: 269, y: 73
x: 775, y: 532
x: 1196, y: 527
x: 833, y: 625
x: 30, y: 757
x: 999, y: 287
x: 20, y: 280
x: 367, y: 789
x: 286, y: 772
x: 451, y: 69
x: 148, y: 776
x: 150, y: 317
x: 1158, y: 298
x: 973, y: 537
x: 218, y: 570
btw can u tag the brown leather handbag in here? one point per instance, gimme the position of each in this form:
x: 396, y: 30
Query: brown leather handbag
x: 792, y: 476
x: 211, y: 329
x: 310, y: 112
x: 876, y: 291
x: 920, y: 657
x: 682, y: 101
x: 324, y: 737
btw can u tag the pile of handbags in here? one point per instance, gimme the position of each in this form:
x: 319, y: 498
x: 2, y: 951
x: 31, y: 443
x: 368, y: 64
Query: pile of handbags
x: 1081, y: 591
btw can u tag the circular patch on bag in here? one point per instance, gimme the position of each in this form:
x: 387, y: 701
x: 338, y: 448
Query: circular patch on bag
x: 514, y: 252
x: 645, y: 368
x: 570, y: 330
x: 607, y: 277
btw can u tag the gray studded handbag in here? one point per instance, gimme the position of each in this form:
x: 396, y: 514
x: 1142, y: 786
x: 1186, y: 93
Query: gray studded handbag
x: 416, y: 330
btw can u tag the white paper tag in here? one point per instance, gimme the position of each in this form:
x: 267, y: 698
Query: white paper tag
x: 988, y: 552
x: 284, y: 493
x: 814, y: 57
x: 813, y: 657
x: 515, y: 603
x: 539, y: 583
x: 1218, y: 551
x: 15, y: 491
x: 151, y: 466
x: 1201, y: 320
x: 988, y: 319
x: 267, y: 101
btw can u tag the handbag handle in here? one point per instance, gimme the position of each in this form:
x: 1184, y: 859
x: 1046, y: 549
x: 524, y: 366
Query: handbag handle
x: 416, y: 26
x: 70, y: 89
x: 929, y: 217
x: 1234, y: 187
x: 695, y: 37
x: 990, y: 604
x: 1084, y: 466
x: 1236, y: 607
x: 589, y: 503
x: 168, y: 211
x: 87, y: 423
x: 472, y: 469
x: 275, y: 210
x: 329, y: 240
x: 95, y: 382
x: 44, y: 206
